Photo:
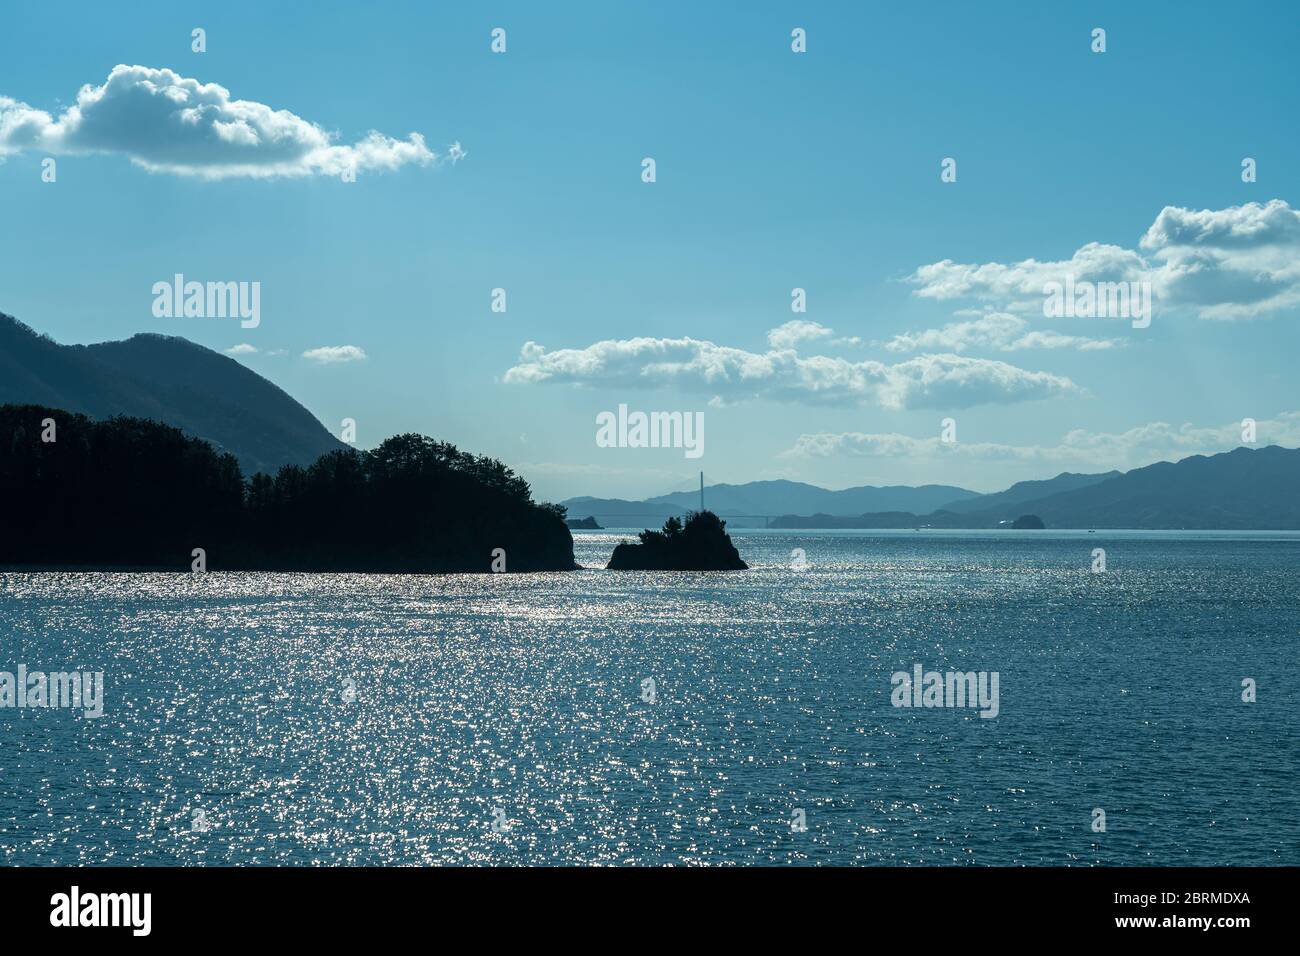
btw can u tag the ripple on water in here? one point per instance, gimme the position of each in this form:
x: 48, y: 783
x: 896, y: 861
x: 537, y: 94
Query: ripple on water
x: 519, y: 698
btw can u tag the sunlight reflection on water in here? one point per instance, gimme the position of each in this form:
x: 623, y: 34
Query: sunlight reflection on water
x: 518, y: 697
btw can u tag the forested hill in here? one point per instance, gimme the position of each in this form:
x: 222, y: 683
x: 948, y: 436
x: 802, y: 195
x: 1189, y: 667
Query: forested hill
x: 166, y: 379
x: 127, y: 492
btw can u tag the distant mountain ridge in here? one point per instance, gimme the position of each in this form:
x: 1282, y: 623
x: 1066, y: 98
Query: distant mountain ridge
x: 770, y: 498
x: 777, y: 497
x: 1243, y: 489
x: 165, y: 379
x: 1023, y: 491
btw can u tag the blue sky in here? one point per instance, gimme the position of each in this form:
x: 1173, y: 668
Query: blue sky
x: 775, y: 170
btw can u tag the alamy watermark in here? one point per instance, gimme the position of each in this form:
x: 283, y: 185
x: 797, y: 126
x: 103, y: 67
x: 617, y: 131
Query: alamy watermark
x: 208, y: 300
x: 651, y: 430
x: 1098, y: 300
x: 27, y: 689
x: 922, y: 688
x: 75, y: 908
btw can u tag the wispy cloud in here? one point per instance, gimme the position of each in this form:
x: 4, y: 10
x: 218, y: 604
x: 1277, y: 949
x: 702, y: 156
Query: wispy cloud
x: 999, y: 331
x: 1079, y: 448
x: 243, y: 348
x: 732, y: 374
x: 168, y: 123
x: 332, y: 354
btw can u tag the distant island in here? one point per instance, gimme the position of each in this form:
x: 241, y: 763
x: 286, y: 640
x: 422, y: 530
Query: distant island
x: 1028, y: 523
x: 701, y: 544
x: 127, y: 492
x: 586, y: 524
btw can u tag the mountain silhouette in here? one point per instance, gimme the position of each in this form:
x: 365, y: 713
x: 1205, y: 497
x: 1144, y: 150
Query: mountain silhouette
x: 164, y: 379
x: 757, y: 498
x: 1243, y: 489
x: 1023, y: 491
x: 781, y: 496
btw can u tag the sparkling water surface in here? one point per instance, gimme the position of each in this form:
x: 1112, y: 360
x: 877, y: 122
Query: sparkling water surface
x: 480, y: 698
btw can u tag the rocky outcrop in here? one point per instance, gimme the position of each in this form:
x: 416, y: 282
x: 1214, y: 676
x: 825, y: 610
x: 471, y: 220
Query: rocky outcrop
x: 702, y: 544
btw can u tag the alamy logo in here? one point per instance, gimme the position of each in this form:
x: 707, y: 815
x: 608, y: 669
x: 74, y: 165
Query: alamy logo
x: 103, y: 909
x: 653, y: 430
x: 208, y: 300
x: 923, y: 688
x: 1098, y: 300
x: 67, y: 689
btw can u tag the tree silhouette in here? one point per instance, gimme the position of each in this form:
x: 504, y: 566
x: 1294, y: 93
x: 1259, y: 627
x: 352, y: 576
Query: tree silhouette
x: 129, y: 492
x: 701, y: 544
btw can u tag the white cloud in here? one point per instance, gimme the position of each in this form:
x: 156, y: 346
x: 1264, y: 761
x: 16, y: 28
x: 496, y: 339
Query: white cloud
x: 1020, y: 284
x: 168, y: 123
x: 331, y: 354
x: 1000, y: 331
x: 732, y: 374
x: 1097, y: 451
x: 1238, y: 262
x: 956, y: 381
x: 243, y: 348
x: 795, y: 331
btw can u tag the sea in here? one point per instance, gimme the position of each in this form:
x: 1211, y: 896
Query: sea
x: 1147, y: 709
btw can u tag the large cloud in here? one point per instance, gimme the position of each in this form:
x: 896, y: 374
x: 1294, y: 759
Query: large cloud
x: 1077, y: 449
x: 1238, y: 262
x: 731, y: 374
x: 165, y: 122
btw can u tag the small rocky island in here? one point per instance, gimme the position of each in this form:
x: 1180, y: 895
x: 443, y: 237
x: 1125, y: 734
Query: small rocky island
x: 702, y: 544
x: 1028, y: 523
x: 587, y: 524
